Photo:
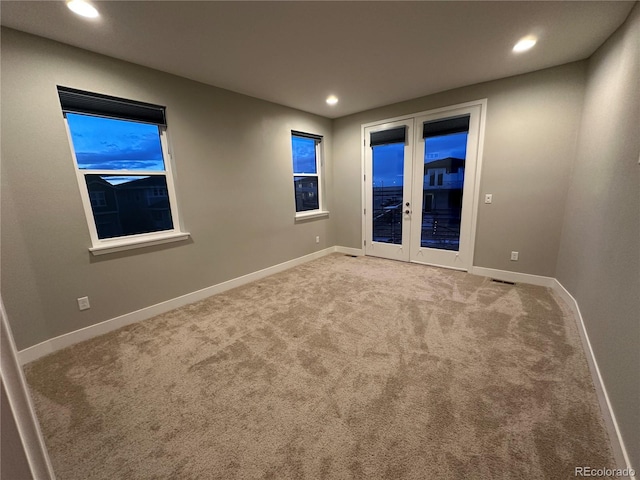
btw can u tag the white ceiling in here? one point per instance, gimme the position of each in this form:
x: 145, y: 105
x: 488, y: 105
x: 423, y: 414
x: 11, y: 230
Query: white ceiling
x: 297, y: 53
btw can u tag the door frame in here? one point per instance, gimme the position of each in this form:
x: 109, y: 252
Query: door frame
x: 482, y: 104
x: 391, y: 250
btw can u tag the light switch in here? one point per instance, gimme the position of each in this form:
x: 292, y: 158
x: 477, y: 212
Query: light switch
x: 488, y: 198
x: 83, y: 303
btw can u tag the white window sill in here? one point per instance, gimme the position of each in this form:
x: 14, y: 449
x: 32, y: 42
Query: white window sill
x: 138, y: 242
x: 312, y: 214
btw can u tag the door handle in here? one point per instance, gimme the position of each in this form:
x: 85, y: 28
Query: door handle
x: 407, y: 211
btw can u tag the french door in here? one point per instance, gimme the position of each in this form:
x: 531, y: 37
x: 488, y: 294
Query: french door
x: 420, y: 186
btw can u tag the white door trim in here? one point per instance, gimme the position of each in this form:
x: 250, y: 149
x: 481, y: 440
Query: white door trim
x: 482, y: 103
x: 21, y: 405
x: 476, y: 187
x: 389, y: 250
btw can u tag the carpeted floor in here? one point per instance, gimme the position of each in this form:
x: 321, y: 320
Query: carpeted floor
x: 342, y: 368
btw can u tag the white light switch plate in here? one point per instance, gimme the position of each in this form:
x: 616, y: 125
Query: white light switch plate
x: 83, y: 303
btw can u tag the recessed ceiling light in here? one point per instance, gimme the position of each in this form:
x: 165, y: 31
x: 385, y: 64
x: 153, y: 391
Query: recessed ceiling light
x: 332, y: 99
x: 525, y: 44
x: 82, y: 8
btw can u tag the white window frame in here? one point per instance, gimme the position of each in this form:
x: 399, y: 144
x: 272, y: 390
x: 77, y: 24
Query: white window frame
x: 128, y: 242
x: 321, y: 211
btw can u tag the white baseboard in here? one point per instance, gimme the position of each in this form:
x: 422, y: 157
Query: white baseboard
x: 350, y: 251
x: 66, y: 340
x: 617, y: 443
x: 514, y: 277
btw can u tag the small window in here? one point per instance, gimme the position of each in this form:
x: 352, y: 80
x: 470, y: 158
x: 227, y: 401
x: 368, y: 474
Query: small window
x: 122, y: 165
x: 98, y: 198
x: 307, y: 173
x: 428, y: 202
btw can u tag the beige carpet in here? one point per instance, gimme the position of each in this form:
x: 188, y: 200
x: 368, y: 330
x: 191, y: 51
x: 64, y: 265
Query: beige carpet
x: 342, y: 368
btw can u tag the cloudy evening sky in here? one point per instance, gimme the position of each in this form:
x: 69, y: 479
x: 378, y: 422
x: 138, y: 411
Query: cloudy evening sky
x: 388, y: 159
x: 109, y: 144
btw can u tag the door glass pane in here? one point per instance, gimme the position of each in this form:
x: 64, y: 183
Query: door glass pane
x: 388, y: 190
x: 129, y: 205
x: 444, y: 163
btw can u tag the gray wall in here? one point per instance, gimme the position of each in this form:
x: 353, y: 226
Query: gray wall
x: 233, y: 178
x: 531, y: 131
x: 599, y: 260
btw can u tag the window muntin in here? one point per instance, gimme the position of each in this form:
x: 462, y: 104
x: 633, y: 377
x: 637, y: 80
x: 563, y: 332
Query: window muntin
x: 123, y: 170
x: 307, y: 172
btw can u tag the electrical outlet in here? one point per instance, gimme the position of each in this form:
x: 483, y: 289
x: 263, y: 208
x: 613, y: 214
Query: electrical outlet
x: 83, y: 303
x: 318, y: 239
x: 488, y: 198
x: 514, y: 256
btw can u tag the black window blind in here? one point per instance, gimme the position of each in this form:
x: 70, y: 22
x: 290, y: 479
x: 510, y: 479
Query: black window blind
x: 445, y: 127
x: 317, y: 138
x: 79, y: 101
x: 392, y: 135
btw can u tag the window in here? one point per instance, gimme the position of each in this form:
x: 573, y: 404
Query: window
x: 123, y: 169
x: 307, y: 174
x: 97, y: 198
x: 428, y: 202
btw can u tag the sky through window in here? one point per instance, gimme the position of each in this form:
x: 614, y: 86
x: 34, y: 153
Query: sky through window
x: 109, y: 144
x: 389, y: 158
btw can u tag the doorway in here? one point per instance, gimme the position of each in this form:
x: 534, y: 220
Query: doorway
x: 421, y: 186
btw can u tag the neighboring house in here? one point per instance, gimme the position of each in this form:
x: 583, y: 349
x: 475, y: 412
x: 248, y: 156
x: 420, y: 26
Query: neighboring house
x: 306, y: 193
x: 443, y: 181
x: 442, y: 203
x: 104, y: 204
x: 139, y: 206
